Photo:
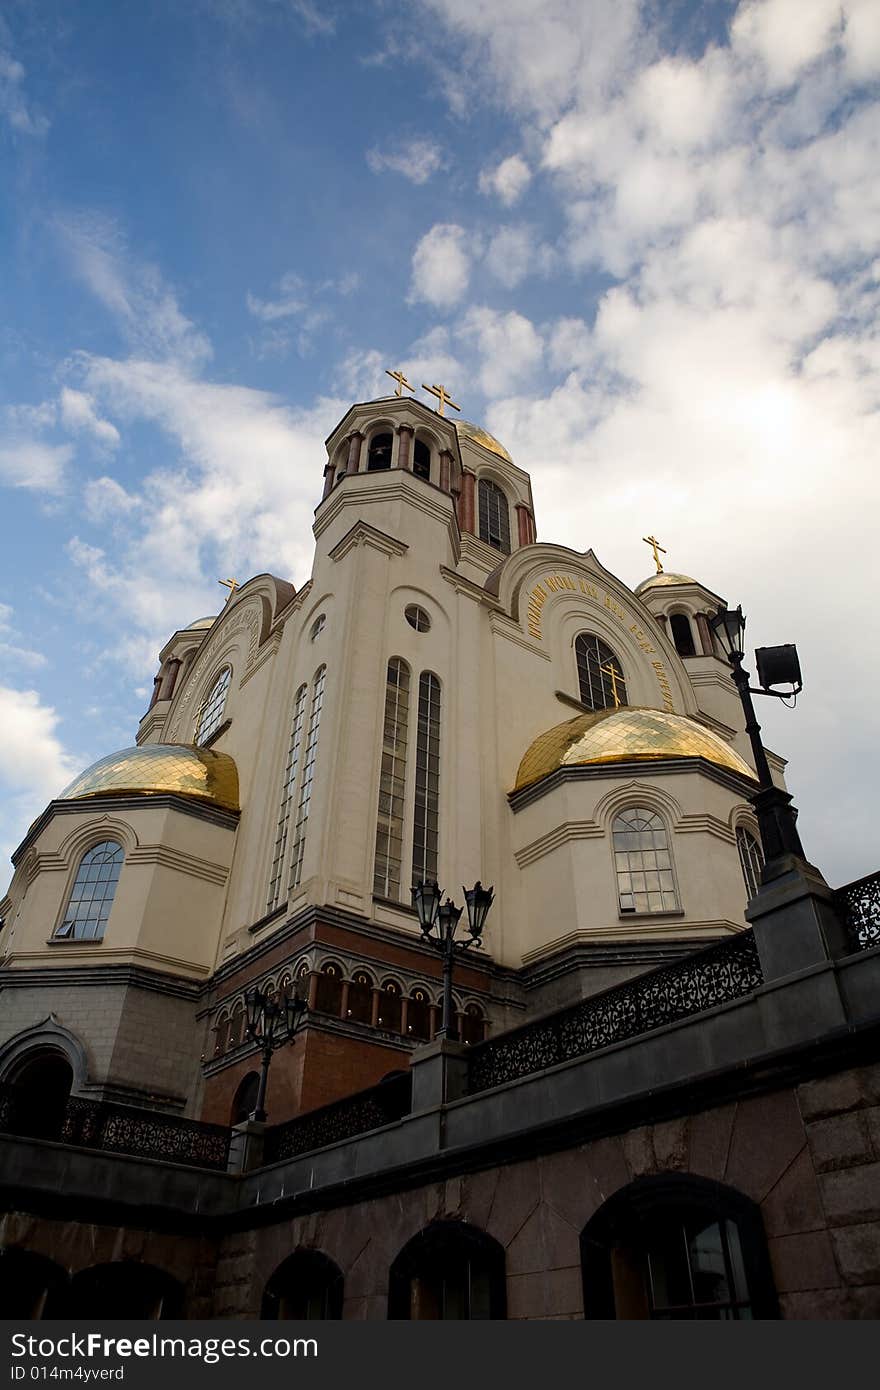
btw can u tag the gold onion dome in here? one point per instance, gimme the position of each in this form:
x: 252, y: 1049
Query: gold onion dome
x: 467, y: 430
x: 658, y: 581
x: 629, y: 734
x: 160, y: 768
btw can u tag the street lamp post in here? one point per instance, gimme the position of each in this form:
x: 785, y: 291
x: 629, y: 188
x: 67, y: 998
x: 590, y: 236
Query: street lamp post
x: 270, y: 1024
x: 427, y: 898
x: 776, y: 666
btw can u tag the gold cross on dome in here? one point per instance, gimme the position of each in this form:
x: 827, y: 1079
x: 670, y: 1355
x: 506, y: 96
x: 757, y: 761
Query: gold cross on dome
x: 442, y: 395
x: 612, y: 671
x: 655, y: 546
x: 401, y: 382
x: 231, y: 585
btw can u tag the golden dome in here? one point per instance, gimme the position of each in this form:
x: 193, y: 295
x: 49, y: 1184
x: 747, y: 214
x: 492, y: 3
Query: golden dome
x: 155, y: 768
x: 466, y: 430
x: 629, y: 734
x: 657, y: 581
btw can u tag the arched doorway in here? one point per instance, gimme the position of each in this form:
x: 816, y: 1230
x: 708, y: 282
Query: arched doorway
x: 306, y: 1285
x: 124, y: 1289
x: 677, y: 1248
x: 41, y: 1089
x: 449, y: 1271
x: 244, y: 1102
x: 31, y: 1286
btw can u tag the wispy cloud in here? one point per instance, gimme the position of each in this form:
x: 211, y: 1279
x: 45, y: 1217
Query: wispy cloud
x: 507, y: 180
x: 33, y: 464
x: 417, y: 160
x: 441, y: 265
x: 14, y: 109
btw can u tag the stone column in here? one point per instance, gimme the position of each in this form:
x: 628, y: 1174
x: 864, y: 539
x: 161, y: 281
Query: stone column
x: 157, y: 681
x: 525, y: 524
x: 343, y: 999
x: 404, y: 1015
x: 404, y: 448
x: 445, y: 469
x: 661, y: 619
x: 313, y: 988
x: 705, y: 634
x: 354, y: 452
x: 467, y: 510
x: 374, y: 1016
x: 328, y: 480
x: 169, y: 677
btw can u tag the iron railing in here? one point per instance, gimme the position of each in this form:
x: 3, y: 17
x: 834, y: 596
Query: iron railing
x: 859, y: 905
x: 342, y: 1119
x: 121, y: 1129
x: 705, y: 978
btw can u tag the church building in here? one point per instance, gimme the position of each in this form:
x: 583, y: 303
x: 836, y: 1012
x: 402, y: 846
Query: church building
x: 656, y: 1090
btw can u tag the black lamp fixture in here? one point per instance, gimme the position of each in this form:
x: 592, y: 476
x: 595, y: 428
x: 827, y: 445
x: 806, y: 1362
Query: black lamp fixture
x: 776, y: 666
x: 271, y: 1022
x: 434, y: 913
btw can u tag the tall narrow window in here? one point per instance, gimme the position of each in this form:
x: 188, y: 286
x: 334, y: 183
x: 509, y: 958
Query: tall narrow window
x: 287, y: 789
x: 389, y: 821
x: 421, y: 460
x: 600, y: 674
x: 751, y: 858
x: 494, y: 516
x: 94, y: 889
x: 305, y: 790
x: 682, y: 634
x: 643, y: 862
x: 427, y: 798
x: 213, y: 705
x: 379, y: 454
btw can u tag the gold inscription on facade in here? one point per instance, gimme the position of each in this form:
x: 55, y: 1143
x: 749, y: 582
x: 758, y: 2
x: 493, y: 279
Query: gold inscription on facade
x: 568, y: 583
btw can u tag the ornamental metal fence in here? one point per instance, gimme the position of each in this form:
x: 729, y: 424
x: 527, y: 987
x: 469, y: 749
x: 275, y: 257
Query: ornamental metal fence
x: 859, y: 905
x: 342, y: 1119
x: 703, y: 979
x: 111, y: 1128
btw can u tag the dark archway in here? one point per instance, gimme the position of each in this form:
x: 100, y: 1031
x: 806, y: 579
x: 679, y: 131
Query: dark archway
x: 682, y: 634
x: 41, y: 1089
x: 379, y: 452
x: 31, y: 1286
x: 124, y: 1289
x: 450, y: 1270
x: 244, y: 1102
x: 307, y: 1285
x: 677, y: 1248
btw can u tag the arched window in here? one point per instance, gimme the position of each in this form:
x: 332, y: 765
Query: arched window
x: 473, y: 1024
x: 494, y: 515
x: 600, y: 674
x: 307, y: 1285
x: 426, y: 811
x: 360, y: 998
x: 379, y: 454
x: 677, y: 1248
x: 124, y: 1289
x: 221, y: 1035
x: 751, y: 857
x: 328, y: 992
x: 244, y: 1102
x: 450, y: 1270
x: 287, y: 789
x: 31, y: 1286
x: 91, y: 897
x: 643, y: 862
x: 421, y: 460
x: 40, y: 1092
x: 418, y: 1016
x: 213, y: 705
x: 305, y: 790
x: 389, y: 1007
x: 389, y: 819
x: 236, y: 1024
x: 682, y: 634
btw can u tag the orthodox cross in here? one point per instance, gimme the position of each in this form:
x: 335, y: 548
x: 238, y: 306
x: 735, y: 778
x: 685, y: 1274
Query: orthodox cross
x: 231, y: 585
x: 442, y: 396
x: 401, y: 382
x: 655, y: 546
x: 612, y: 671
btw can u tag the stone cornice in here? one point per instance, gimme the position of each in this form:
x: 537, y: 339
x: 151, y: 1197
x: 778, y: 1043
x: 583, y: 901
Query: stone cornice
x: 166, y: 801
x: 111, y: 973
x: 656, y: 767
x: 362, y: 533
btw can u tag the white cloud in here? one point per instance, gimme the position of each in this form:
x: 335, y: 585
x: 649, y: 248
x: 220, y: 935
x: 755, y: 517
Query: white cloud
x: 508, y: 180
x: 34, y: 765
x: 507, y: 345
x: 441, y: 266
x: 786, y: 35
x: 78, y: 413
x: 104, y: 499
x: 29, y: 463
x: 292, y: 299
x: 13, y: 106
x: 11, y: 652
x: 513, y: 253
x: 416, y: 160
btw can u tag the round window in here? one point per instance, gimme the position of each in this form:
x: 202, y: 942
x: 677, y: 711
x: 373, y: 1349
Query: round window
x: 318, y: 626
x: 417, y: 617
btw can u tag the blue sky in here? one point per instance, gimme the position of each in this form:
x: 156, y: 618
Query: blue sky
x: 638, y: 241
